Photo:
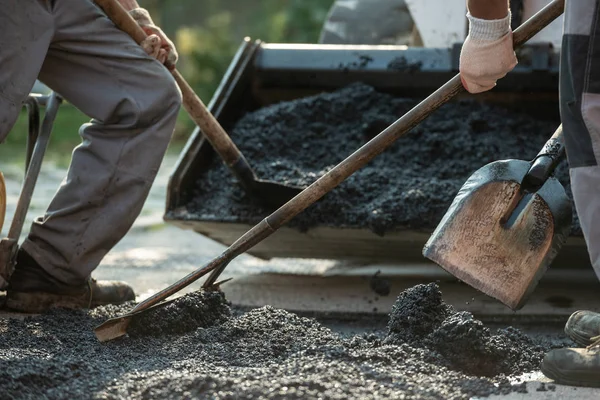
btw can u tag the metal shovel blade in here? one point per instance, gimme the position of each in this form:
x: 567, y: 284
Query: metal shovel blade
x: 116, y: 327
x: 112, y: 328
x: 273, y: 194
x: 497, y: 239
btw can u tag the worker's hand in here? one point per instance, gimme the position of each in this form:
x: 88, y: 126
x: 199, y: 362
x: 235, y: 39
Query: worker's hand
x: 157, y: 44
x: 487, y: 54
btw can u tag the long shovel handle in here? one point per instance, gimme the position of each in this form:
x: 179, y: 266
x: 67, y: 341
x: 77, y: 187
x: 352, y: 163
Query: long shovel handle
x: 545, y: 162
x: 382, y: 141
x: 210, y: 127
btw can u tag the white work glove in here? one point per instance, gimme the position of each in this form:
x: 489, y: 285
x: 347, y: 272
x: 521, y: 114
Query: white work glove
x: 157, y: 44
x: 487, y: 54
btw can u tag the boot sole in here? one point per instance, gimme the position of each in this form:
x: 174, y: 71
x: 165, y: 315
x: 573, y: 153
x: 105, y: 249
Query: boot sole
x: 39, y: 302
x: 559, y: 378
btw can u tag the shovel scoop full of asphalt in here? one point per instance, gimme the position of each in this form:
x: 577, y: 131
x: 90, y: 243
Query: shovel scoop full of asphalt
x: 505, y: 226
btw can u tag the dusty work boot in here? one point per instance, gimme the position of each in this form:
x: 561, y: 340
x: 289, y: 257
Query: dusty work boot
x: 32, y: 290
x: 575, y: 367
x: 582, y: 326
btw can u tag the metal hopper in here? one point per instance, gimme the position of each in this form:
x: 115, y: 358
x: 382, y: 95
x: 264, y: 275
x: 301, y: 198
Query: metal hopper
x: 262, y: 74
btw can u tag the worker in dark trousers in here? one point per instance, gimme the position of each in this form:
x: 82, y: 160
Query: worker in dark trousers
x: 486, y: 57
x: 133, y: 101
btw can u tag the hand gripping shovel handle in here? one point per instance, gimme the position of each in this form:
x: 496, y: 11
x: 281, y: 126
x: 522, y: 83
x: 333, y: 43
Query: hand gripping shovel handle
x: 343, y: 170
x: 212, y: 130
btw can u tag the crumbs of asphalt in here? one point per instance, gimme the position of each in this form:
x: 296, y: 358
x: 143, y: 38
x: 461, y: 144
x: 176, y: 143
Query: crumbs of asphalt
x: 409, y: 186
x: 197, y: 347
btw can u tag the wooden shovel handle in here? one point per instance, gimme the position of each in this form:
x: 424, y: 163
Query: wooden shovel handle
x: 554, y: 147
x: 210, y: 127
x: 544, y: 164
x: 537, y: 22
x: 558, y: 134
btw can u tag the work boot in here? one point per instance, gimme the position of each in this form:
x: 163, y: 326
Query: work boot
x: 574, y: 367
x: 32, y: 290
x: 583, y: 326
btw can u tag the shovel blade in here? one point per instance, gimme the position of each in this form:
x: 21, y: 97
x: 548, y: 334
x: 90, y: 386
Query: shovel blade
x: 112, y: 328
x: 503, y: 259
x: 273, y: 194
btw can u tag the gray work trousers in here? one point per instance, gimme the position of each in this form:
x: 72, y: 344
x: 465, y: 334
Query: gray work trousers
x: 580, y: 114
x: 133, y: 102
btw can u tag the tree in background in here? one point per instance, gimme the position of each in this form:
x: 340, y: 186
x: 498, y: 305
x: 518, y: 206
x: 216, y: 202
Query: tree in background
x: 208, y: 47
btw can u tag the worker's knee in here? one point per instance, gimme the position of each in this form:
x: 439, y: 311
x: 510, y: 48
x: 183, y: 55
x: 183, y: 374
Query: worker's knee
x: 163, y: 101
x: 151, y: 100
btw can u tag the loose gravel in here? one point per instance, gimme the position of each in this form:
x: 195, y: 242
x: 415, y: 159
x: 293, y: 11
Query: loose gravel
x: 197, y: 347
x: 409, y: 186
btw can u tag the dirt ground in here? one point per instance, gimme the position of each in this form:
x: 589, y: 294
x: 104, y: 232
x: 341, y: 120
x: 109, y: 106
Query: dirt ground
x: 41, y: 357
x: 198, y: 347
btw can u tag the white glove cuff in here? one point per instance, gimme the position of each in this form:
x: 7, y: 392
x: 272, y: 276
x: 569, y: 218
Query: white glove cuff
x: 488, y: 29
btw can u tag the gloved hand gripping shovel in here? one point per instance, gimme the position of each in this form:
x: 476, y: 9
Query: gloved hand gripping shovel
x: 270, y: 193
x: 117, y: 327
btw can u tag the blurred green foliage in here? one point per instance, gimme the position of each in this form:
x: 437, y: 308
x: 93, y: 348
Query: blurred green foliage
x: 207, y: 34
x: 207, y: 49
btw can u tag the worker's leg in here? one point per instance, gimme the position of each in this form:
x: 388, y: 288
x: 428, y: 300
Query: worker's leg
x: 580, y: 114
x: 27, y: 29
x: 134, y: 102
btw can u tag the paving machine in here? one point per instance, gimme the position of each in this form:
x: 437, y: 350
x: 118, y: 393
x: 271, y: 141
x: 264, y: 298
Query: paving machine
x: 266, y: 73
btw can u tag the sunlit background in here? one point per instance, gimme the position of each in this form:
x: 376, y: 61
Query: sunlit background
x: 207, y: 34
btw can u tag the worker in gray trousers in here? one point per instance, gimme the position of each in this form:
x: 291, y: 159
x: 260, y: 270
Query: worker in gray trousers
x: 488, y: 55
x: 133, y: 101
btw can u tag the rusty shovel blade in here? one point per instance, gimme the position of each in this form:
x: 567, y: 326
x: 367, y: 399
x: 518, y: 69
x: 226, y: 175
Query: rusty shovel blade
x: 497, y: 237
x: 116, y: 327
x: 112, y: 328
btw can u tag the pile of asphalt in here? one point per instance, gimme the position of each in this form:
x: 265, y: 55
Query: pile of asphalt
x: 420, y: 317
x: 409, y: 186
x: 429, y: 352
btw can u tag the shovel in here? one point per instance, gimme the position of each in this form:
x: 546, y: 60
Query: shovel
x: 505, y: 226
x: 270, y: 193
x: 116, y: 327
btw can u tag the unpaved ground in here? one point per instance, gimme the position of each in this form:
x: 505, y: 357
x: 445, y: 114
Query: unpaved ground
x: 409, y: 186
x: 427, y: 353
x: 150, y: 257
